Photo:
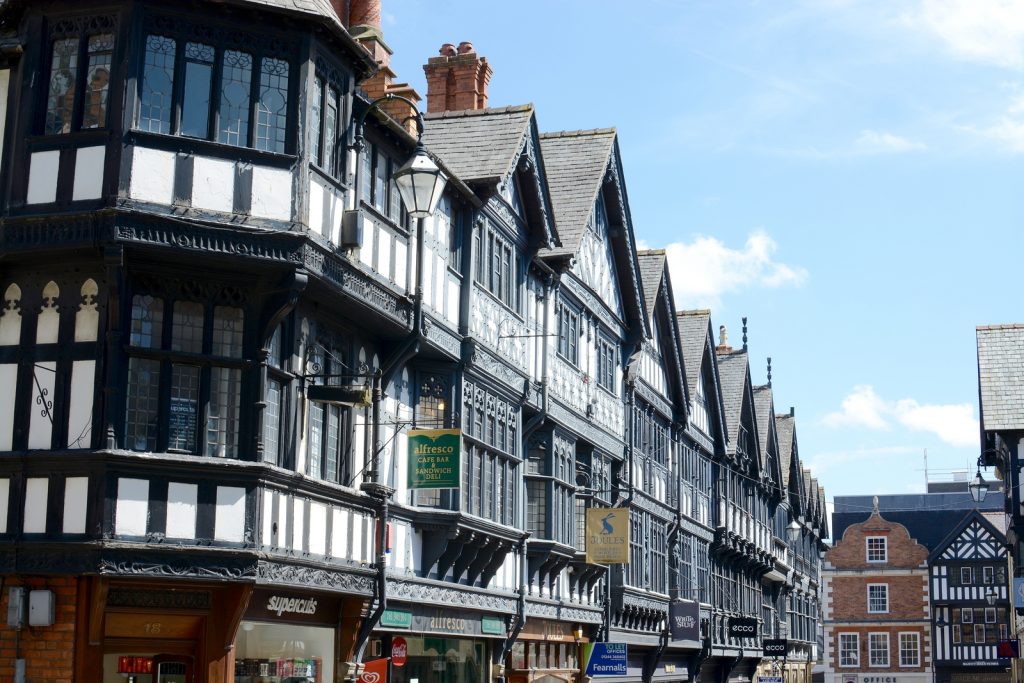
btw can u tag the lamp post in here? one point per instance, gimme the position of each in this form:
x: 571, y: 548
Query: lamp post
x: 978, y: 486
x: 421, y: 184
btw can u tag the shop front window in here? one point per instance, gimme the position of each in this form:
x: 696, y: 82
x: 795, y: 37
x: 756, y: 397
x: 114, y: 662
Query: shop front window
x: 283, y: 653
x: 443, y: 660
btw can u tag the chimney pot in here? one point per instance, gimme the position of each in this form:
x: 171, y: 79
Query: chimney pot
x: 447, y: 50
x: 457, y: 80
x: 465, y: 47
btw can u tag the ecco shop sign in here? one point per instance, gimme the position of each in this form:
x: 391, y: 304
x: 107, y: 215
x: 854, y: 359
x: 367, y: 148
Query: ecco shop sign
x: 742, y: 627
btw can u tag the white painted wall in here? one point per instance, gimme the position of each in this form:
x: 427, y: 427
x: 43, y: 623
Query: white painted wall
x: 213, y: 184
x: 132, y: 512
x: 229, y: 519
x: 36, y: 490
x: 298, y: 523
x: 268, y: 520
x: 8, y: 384
x: 83, y: 377
x: 76, y: 499
x: 317, y: 528
x: 182, y: 504
x: 89, y: 173
x: 271, y: 193
x: 5, y: 497
x: 5, y: 81
x: 42, y: 177
x: 339, y: 533
x: 152, y: 176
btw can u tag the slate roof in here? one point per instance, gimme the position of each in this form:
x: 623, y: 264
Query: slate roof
x: 763, y: 411
x: 929, y: 517
x: 693, y: 332
x: 1001, y: 376
x: 732, y: 377
x: 825, y: 525
x: 575, y: 162
x: 479, y: 145
x: 652, y: 270
x: 784, y: 429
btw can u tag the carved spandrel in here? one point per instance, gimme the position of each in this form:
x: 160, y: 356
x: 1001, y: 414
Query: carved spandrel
x: 579, y: 391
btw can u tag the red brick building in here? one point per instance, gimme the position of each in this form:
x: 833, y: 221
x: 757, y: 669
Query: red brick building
x: 876, y: 606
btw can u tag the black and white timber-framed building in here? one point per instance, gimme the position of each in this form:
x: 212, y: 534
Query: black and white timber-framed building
x: 192, y: 241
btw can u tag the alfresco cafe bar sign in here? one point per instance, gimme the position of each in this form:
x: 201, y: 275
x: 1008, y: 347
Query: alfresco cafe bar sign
x: 434, y: 458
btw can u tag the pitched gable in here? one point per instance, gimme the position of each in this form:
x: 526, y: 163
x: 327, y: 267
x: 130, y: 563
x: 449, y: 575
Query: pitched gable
x: 974, y: 538
x: 665, y: 337
x: 737, y: 397
x: 700, y: 363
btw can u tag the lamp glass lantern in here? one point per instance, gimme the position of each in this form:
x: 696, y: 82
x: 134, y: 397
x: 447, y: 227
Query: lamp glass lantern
x: 421, y: 183
x: 978, y: 487
x: 793, y: 531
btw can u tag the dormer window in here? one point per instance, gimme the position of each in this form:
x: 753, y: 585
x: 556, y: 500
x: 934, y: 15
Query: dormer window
x: 877, y: 550
x: 214, y: 92
x: 79, y: 83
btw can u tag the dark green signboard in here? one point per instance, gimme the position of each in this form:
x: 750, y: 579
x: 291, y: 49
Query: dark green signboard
x: 396, y: 618
x: 434, y: 458
x: 492, y: 625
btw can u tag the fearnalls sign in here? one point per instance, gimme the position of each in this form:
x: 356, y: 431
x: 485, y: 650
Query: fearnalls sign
x: 608, y: 535
x: 434, y: 458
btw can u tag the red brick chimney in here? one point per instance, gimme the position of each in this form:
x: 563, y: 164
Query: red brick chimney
x: 457, y: 79
x: 363, y: 12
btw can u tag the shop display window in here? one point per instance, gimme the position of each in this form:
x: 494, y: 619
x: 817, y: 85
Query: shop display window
x: 283, y: 653
x: 443, y: 660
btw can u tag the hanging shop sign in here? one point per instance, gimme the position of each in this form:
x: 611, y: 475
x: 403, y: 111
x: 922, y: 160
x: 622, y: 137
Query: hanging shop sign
x: 605, y: 659
x: 684, y: 620
x: 608, y: 535
x: 742, y: 627
x: 399, y: 651
x: 493, y: 626
x: 396, y: 618
x: 775, y: 647
x: 434, y: 458
x: 375, y: 671
x: 551, y: 631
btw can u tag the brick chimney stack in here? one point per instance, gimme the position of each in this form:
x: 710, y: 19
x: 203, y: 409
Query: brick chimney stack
x: 457, y: 79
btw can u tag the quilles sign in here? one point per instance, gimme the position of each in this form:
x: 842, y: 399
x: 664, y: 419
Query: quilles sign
x: 434, y: 458
x: 608, y: 535
x: 684, y: 620
x: 742, y: 627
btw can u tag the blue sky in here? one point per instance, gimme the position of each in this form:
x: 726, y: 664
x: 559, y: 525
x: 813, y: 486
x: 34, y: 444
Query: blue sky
x: 846, y: 173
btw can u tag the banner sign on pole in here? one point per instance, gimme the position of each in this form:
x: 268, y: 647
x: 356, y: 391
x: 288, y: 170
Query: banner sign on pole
x: 605, y: 659
x: 684, y: 620
x: 742, y: 627
x: 775, y: 647
x: 434, y: 458
x: 375, y: 671
x: 608, y: 535
x: 1008, y: 649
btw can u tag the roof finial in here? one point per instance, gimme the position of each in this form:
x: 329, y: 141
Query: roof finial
x: 769, y: 371
x: 874, y: 504
x: 744, y: 333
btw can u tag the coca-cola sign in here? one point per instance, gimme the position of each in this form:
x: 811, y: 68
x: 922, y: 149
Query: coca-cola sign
x: 399, y: 651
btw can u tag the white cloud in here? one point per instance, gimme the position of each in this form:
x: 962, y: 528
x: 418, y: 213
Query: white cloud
x: 820, y: 463
x: 706, y: 268
x: 953, y: 423
x: 985, y: 31
x: 881, y: 142
x: 1007, y: 131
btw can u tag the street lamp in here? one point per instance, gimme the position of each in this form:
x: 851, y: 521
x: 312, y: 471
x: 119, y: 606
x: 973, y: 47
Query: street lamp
x: 978, y: 486
x: 793, y: 531
x: 990, y: 597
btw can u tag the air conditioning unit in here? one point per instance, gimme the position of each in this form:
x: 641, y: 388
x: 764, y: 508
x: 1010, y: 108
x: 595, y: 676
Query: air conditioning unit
x: 352, y: 228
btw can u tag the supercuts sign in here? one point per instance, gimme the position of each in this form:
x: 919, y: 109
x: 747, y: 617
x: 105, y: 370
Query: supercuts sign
x: 742, y: 627
x: 284, y: 606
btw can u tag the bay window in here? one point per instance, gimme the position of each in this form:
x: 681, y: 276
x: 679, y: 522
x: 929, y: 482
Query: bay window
x: 78, y: 87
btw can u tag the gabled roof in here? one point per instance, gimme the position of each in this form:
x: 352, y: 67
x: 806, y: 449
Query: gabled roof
x: 784, y: 430
x: 652, y: 271
x: 695, y: 332
x: 576, y: 162
x: 825, y: 526
x: 971, y: 518
x: 734, y: 376
x: 657, y: 285
x: 765, y: 415
x: 480, y: 145
x: 1001, y: 376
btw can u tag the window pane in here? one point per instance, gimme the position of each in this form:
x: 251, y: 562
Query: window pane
x: 316, y: 431
x: 63, y: 76
x: 274, y: 349
x: 333, y: 443
x: 187, y: 327
x: 236, y: 77
x: 272, y: 107
x: 157, y: 85
x: 101, y: 48
x: 315, y: 116
x: 330, y: 132
x: 184, y: 408
x: 380, y: 181
x: 227, y: 331
x: 272, y: 422
x: 142, y: 404
x: 195, y: 109
x: 222, y: 412
x: 147, y: 322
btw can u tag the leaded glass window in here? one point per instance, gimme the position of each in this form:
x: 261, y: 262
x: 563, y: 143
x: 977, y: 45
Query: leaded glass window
x: 157, y: 95
x: 78, y: 80
x: 272, y: 106
x: 236, y: 84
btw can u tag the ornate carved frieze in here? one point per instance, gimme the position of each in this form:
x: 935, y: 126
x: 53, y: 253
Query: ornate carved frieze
x: 277, y: 248
x: 445, y: 596
x: 319, y: 577
x: 150, y: 599
x: 576, y: 389
x: 563, y: 612
x: 499, y: 329
x: 695, y: 529
x: 64, y: 233
x: 91, y: 24
x: 179, y: 569
x: 439, y: 335
x: 477, y: 356
x: 640, y: 602
x: 592, y: 303
x: 609, y: 443
x: 650, y: 396
x: 651, y: 505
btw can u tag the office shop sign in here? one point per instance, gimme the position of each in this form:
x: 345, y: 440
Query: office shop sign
x: 742, y: 627
x: 434, y: 456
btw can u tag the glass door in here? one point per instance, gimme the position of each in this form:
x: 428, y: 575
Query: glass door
x: 172, y: 670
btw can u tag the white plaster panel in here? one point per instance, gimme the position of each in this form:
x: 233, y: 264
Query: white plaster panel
x: 40, y: 430
x: 152, y: 176
x: 317, y: 198
x: 440, y: 273
x: 42, y: 177
x: 282, y: 520
x: 229, y: 519
x: 48, y: 324
x: 36, y: 491
x: 5, y: 498
x: 10, y: 324
x: 89, y: 172
x: 182, y: 507
x: 268, y: 516
x: 298, y: 522
x: 451, y: 313
x: 384, y: 254
x: 357, y: 538
x: 83, y: 378
x: 339, y: 533
x: 335, y: 215
x: 213, y: 184
x: 5, y: 80
x: 76, y: 500
x: 366, y: 247
x: 401, y: 263
x: 8, y: 383
x: 132, y: 512
x: 317, y: 529
x: 271, y: 193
